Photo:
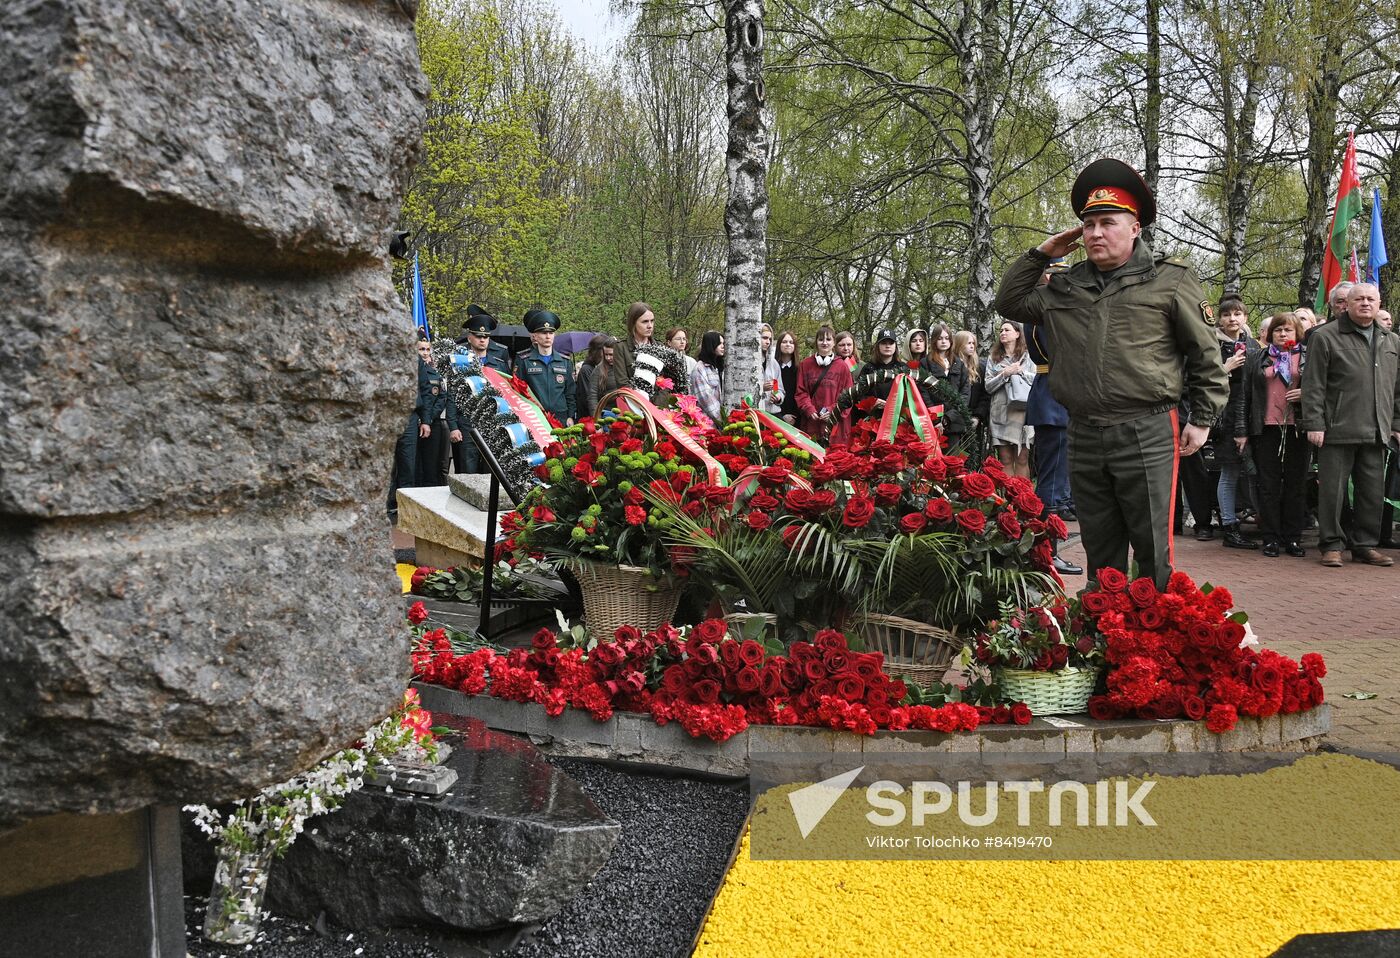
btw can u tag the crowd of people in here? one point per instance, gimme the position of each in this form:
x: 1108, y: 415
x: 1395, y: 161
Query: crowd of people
x: 1288, y: 427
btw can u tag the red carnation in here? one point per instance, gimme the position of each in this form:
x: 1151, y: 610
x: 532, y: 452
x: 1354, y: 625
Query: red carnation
x: 758, y: 521
x: 666, y: 450
x: 634, y: 496
x: 417, y: 613
x: 912, y: 523
x: 1313, y: 666
x: 635, y: 515
x: 1221, y: 718
x: 859, y: 511
x: 972, y: 521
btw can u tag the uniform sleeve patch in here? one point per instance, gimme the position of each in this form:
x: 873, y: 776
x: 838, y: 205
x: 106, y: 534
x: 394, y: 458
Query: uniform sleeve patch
x: 1207, y: 313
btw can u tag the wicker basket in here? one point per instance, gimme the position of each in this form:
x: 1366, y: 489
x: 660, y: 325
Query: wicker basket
x: 618, y: 595
x: 1061, y: 692
x: 737, y: 620
x: 918, y: 652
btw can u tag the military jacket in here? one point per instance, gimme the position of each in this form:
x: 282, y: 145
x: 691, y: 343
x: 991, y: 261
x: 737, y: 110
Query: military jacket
x: 1351, y: 390
x: 551, y: 379
x: 1119, y: 343
x: 433, y: 400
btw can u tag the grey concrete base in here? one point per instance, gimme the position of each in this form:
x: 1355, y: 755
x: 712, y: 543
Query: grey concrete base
x: 446, y: 530
x: 475, y: 491
x: 636, y: 738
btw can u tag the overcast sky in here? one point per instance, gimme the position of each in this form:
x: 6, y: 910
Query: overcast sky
x: 590, y: 21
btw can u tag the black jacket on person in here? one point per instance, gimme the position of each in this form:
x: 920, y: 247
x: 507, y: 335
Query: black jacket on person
x: 433, y: 399
x: 954, y: 423
x: 1225, y: 429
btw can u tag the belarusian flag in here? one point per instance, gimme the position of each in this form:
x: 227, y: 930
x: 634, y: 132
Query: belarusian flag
x: 1348, y: 209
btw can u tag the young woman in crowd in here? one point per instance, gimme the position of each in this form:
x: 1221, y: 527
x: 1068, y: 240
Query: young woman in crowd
x: 786, y: 357
x: 641, y: 328
x: 592, y: 373
x: 708, y: 384
x: 1268, y: 418
x: 978, y: 402
x: 1008, y: 379
x: 846, y: 350
x: 944, y: 363
x: 1236, y: 348
x: 821, y: 378
x: 678, y: 340
x: 768, y: 392
x: 866, y: 397
x: 917, y: 347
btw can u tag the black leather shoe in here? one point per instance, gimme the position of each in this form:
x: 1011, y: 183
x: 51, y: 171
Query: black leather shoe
x: 1235, y: 540
x: 1204, y: 533
x: 1270, y: 549
x: 1388, y: 544
x: 1066, y: 568
x: 1067, y: 514
x: 1295, y: 549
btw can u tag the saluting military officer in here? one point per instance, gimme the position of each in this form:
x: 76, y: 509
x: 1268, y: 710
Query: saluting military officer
x: 476, y: 336
x: 549, y: 374
x: 437, y: 420
x: 1125, y: 329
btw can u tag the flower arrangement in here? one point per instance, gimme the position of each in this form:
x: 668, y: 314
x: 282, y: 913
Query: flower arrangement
x: 741, y: 443
x: 690, y: 417
x: 1184, y: 652
x: 261, y: 828
x: 893, y: 527
x: 713, y: 684
x: 595, y: 505
x: 658, y: 370
x: 1037, y: 639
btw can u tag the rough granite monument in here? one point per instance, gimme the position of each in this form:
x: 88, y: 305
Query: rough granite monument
x: 203, y: 365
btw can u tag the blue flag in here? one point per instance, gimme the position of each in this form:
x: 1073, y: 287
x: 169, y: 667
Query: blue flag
x: 1375, y: 256
x: 420, y: 304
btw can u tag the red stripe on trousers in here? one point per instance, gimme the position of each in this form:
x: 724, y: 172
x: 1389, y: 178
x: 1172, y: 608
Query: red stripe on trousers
x: 1171, y: 509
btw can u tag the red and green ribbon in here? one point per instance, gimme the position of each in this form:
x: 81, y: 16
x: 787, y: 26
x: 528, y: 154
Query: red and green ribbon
x: 795, y: 437
x: 531, y: 416
x: 744, y: 483
x: 905, y: 400
x: 637, y: 401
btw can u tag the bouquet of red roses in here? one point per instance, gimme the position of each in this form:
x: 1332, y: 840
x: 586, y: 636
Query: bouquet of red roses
x: 1184, y: 652
x: 1037, y: 638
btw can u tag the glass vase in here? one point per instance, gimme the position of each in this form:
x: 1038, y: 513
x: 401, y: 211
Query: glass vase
x: 234, y: 911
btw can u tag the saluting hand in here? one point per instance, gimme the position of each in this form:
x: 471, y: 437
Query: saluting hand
x: 1062, y: 244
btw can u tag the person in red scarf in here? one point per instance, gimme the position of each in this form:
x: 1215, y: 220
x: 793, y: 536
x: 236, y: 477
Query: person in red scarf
x: 821, y: 378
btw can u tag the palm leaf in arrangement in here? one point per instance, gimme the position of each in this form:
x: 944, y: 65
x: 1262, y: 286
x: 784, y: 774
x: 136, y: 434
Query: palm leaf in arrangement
x: 744, y: 560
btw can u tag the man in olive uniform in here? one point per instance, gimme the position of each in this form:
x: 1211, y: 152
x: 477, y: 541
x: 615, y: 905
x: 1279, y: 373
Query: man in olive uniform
x: 476, y: 336
x: 1125, y: 328
x: 1351, y: 410
x: 437, y: 420
x: 550, y: 376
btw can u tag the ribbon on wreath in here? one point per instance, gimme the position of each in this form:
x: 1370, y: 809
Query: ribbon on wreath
x: 795, y: 437
x: 745, y: 482
x: 905, y: 400
x: 529, y: 413
x: 637, y: 401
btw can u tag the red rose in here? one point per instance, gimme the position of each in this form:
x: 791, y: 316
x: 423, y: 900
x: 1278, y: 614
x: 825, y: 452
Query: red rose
x: 851, y: 688
x: 912, y: 523
x: 1143, y: 592
x: 939, y: 510
x: 1111, y: 580
x: 1057, y: 526
x: 867, y: 404
x: 751, y: 653
x: 1021, y: 714
x: 887, y: 493
x: 1221, y: 718
x: 707, y: 691
x: 1194, y: 707
x: 747, y: 681
x: 859, y: 511
x: 583, y: 472
x: 666, y: 450
x: 758, y: 521
x: 799, y: 500
x: 935, y: 469
x: 711, y: 630
x: 1268, y: 677
x: 892, y: 463
x: 764, y: 502
x: 978, y: 485
x: 823, y: 472
x: 635, y: 515
x: 823, y: 499
x: 1009, y: 525
x: 814, y: 670
x: 417, y: 612
x: 729, y: 655
x: 1029, y: 504
x: 1001, y: 715
x: 542, y: 640
x: 972, y: 521
x: 792, y: 533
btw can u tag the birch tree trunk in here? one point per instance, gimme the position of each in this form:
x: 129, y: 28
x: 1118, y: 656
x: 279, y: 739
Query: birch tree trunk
x: 1240, y: 162
x: 976, y: 39
x: 1152, y: 106
x: 746, y: 212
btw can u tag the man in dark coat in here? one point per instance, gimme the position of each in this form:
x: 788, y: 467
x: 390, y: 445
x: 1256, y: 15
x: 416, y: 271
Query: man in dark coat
x: 437, y: 421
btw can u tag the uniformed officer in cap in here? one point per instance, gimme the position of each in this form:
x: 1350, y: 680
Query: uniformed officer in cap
x: 437, y: 420
x: 476, y: 336
x: 549, y: 374
x: 1127, y: 331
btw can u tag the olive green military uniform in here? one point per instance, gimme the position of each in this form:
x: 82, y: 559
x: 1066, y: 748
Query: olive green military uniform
x: 1351, y: 392
x: 1126, y: 344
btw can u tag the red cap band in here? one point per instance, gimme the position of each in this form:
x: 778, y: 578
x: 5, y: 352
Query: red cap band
x: 1109, y: 199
